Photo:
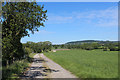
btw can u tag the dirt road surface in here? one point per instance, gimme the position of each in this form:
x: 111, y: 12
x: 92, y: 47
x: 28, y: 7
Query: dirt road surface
x: 43, y: 67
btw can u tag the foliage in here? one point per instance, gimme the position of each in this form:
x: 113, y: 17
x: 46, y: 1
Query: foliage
x: 31, y: 55
x: 39, y: 47
x: 105, y: 49
x: 14, y: 70
x: 108, y: 45
x: 28, y: 50
x: 18, y: 19
x: 88, y: 64
x: 112, y: 46
x: 90, y: 41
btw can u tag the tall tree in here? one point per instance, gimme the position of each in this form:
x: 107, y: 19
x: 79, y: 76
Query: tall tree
x: 18, y: 19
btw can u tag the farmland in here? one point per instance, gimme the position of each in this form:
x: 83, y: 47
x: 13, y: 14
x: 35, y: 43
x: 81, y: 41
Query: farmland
x: 87, y: 63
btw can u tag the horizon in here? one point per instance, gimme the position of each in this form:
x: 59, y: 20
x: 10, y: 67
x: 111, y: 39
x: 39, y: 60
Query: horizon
x: 75, y: 41
x: 71, y: 21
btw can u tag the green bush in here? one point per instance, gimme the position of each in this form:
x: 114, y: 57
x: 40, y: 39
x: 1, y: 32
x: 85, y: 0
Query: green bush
x: 28, y: 50
x: 114, y: 49
x: 105, y: 49
x: 89, y: 48
x: 14, y: 70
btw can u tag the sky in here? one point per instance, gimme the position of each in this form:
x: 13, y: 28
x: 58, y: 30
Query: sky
x: 77, y: 0
x: 76, y: 21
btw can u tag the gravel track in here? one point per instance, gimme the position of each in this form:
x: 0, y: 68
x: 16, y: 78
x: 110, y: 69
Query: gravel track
x: 59, y: 71
x: 43, y: 67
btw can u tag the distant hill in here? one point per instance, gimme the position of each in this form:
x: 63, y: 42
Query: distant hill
x: 90, y: 41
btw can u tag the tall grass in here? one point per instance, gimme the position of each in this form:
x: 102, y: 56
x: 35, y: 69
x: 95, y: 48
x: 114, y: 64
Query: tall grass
x: 14, y: 70
x: 88, y: 64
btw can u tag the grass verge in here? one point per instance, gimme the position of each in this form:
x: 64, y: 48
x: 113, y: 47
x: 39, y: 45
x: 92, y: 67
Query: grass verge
x: 14, y: 70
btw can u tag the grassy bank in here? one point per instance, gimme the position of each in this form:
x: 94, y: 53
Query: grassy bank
x: 88, y: 64
x: 14, y: 70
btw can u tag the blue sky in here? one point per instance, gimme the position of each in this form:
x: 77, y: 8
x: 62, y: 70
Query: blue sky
x: 77, y: 0
x: 75, y: 21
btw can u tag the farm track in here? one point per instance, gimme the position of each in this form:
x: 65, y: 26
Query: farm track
x: 43, y: 67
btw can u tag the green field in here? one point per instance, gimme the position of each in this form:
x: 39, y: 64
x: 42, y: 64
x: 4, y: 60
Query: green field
x: 88, y: 64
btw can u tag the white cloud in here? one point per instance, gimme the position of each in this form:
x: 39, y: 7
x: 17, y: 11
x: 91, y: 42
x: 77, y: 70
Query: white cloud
x: 103, y: 18
x: 107, y: 17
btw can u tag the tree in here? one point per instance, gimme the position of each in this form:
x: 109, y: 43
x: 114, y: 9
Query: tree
x: 18, y: 19
x: 62, y: 46
x: 39, y: 46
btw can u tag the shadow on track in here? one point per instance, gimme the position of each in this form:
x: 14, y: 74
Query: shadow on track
x: 34, y: 71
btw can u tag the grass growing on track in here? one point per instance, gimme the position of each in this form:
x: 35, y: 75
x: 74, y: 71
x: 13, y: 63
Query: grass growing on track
x: 31, y: 55
x: 88, y: 64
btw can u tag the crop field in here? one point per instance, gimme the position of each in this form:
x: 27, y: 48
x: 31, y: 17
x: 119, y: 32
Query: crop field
x: 87, y: 64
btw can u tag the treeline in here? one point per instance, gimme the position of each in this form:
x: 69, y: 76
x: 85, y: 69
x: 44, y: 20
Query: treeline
x: 90, y: 46
x: 38, y: 47
x: 91, y: 41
